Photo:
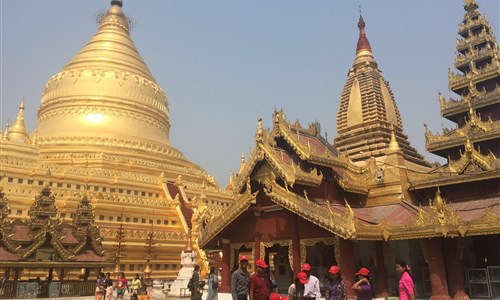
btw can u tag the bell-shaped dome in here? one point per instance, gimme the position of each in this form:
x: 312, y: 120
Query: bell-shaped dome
x: 105, y: 98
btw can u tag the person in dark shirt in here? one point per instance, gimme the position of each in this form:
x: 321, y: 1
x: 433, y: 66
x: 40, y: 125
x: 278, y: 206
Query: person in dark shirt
x: 196, y: 292
x: 240, y: 280
x: 260, y: 284
x: 107, y: 283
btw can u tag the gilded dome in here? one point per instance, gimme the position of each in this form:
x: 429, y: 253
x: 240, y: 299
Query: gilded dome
x: 105, y: 98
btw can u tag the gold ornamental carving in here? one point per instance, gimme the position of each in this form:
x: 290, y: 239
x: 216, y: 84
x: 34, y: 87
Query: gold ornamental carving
x: 282, y: 243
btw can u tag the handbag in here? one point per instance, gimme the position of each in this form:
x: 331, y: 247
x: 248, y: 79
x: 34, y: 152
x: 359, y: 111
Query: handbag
x: 215, y: 284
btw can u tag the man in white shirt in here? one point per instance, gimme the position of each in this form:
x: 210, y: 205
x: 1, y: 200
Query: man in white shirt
x: 311, y: 288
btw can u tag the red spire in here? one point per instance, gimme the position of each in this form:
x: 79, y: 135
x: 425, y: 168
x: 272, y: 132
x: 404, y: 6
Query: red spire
x: 363, y: 43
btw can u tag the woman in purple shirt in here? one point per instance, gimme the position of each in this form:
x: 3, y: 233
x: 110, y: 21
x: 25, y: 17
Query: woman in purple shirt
x: 362, y: 287
x: 335, y: 288
x: 405, y: 286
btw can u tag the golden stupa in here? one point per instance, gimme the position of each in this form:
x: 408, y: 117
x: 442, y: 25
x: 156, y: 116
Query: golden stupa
x: 103, y: 130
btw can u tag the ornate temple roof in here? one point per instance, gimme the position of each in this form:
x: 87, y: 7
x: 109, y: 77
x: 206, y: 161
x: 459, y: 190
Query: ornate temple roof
x: 368, y: 111
x: 472, y: 146
x: 44, y: 239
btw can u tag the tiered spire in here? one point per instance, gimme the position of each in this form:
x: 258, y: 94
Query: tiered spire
x: 43, y: 211
x: 477, y: 84
x: 84, y: 217
x: 368, y: 113
x: 18, y: 132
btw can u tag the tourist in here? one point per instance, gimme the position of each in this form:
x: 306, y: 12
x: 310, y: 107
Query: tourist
x: 405, y: 286
x: 108, y: 284
x: 135, y: 286
x: 121, y: 285
x: 311, y: 288
x: 240, y: 280
x: 196, y: 291
x: 99, y: 287
x: 213, y: 285
x: 259, y: 282
x: 362, y: 287
x: 296, y: 290
x: 335, y: 288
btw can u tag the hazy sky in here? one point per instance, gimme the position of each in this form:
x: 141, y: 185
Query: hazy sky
x: 222, y: 63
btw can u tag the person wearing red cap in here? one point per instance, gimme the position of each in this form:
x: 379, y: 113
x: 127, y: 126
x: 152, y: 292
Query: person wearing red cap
x: 276, y: 296
x: 240, y: 280
x: 362, y: 287
x: 311, y: 287
x: 259, y: 282
x: 335, y: 288
x: 296, y: 290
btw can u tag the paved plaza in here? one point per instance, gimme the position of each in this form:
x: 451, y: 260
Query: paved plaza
x: 127, y: 297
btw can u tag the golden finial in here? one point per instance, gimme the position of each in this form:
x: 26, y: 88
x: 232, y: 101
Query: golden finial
x: 393, y: 145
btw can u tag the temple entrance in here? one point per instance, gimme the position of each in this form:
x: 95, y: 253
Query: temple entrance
x: 321, y: 256
x: 279, y: 266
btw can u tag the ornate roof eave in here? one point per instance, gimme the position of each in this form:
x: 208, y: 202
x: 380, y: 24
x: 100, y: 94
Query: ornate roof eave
x: 425, y: 181
x: 240, y: 181
x: 471, y: 155
x: 6, y: 233
x: 453, y: 107
x: 56, y: 264
x: 344, y: 225
x: 293, y: 173
x: 440, y: 220
x: 236, y: 209
x: 39, y: 241
x: 476, y: 131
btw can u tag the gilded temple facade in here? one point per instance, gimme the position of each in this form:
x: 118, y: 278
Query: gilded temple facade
x: 369, y: 198
x: 101, y: 156
x: 103, y: 132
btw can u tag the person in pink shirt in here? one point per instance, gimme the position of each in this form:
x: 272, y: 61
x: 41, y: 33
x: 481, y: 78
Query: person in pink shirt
x: 405, y: 286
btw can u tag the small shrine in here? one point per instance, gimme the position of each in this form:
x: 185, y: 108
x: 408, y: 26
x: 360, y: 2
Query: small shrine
x: 46, y: 256
x: 188, y: 260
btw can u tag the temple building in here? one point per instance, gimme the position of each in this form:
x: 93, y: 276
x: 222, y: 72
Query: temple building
x: 103, y: 133
x: 369, y: 198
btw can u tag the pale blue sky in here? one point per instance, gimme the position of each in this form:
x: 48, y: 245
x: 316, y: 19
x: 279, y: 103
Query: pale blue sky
x: 224, y: 62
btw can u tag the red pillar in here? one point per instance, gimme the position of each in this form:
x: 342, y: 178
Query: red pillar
x: 437, y: 270
x: 346, y: 265
x: 455, y: 268
x: 296, y: 250
x: 382, y: 289
x: 256, y: 247
x: 225, y: 286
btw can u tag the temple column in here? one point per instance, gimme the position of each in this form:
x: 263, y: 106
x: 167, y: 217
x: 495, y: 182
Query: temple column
x: 225, y: 286
x: 296, y: 250
x: 382, y: 289
x: 437, y: 270
x: 256, y: 241
x: 455, y: 268
x: 346, y: 265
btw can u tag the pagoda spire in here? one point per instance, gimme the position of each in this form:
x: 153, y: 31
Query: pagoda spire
x: 368, y: 117
x: 363, y: 49
x: 18, y: 131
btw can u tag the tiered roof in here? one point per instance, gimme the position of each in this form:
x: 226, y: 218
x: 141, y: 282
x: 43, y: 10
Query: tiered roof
x: 471, y: 147
x: 45, y: 240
